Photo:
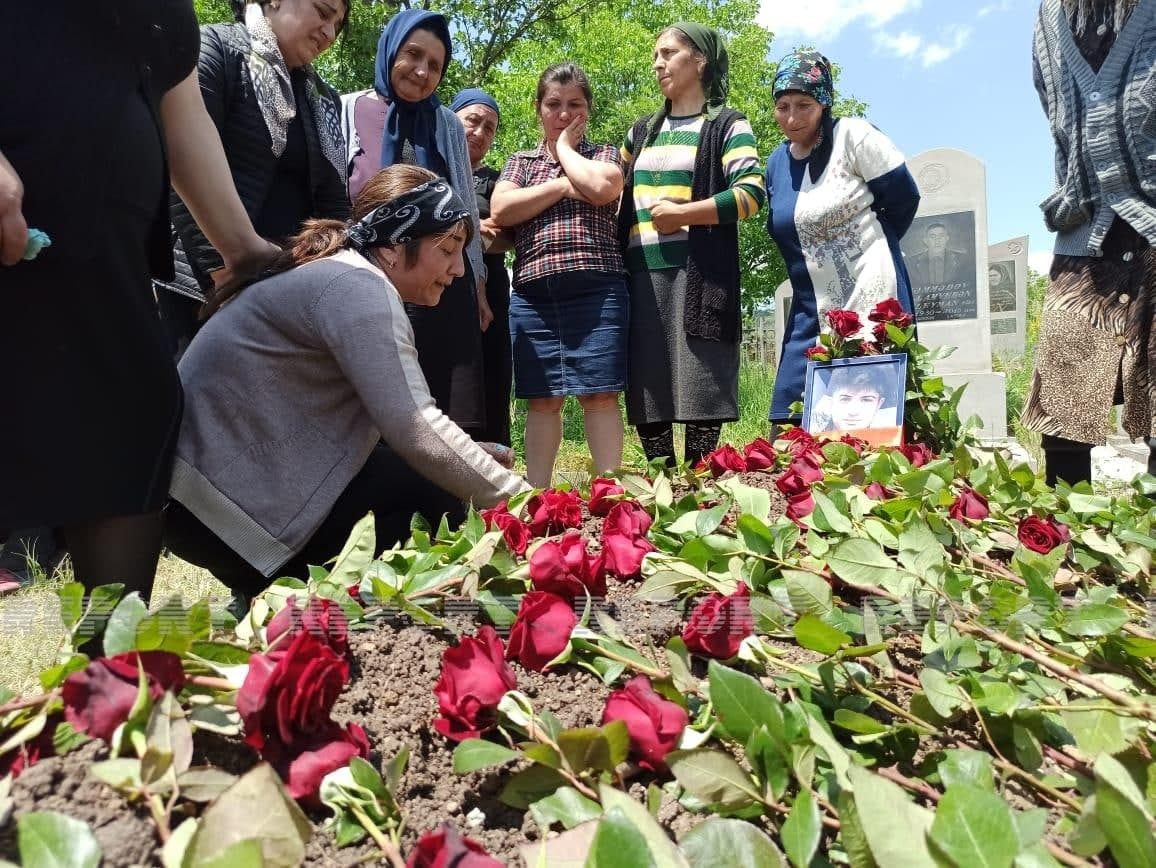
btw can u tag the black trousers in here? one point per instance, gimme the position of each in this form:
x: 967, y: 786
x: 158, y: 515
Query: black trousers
x: 1072, y: 461
x: 386, y: 485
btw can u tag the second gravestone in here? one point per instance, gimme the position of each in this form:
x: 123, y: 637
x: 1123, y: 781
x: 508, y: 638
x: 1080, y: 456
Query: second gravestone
x: 1007, y: 284
x: 946, y: 254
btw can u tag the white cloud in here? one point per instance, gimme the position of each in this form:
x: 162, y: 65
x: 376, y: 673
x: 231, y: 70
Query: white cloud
x: 937, y: 52
x: 819, y: 21
x: 905, y: 44
x: 990, y: 8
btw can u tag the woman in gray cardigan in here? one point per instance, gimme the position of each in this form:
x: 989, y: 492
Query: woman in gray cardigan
x: 400, y: 120
x: 305, y: 407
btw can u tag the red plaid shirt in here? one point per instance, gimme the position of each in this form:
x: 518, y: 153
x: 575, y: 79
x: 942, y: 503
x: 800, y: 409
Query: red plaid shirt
x: 570, y: 235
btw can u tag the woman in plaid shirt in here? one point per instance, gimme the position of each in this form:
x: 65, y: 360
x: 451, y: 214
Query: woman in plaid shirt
x: 569, y: 313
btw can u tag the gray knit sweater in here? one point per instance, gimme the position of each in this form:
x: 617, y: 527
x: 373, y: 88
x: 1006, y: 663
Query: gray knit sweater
x: 287, y: 390
x: 1104, y: 124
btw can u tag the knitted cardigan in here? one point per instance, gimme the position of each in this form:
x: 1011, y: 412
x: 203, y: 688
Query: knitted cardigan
x: 1104, y: 125
x: 451, y: 141
x: 227, y: 89
x: 713, y: 288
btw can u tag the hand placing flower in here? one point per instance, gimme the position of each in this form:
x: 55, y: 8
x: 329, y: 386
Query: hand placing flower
x: 541, y: 630
x: 1041, y: 535
x: 655, y: 724
x: 718, y: 624
x: 473, y: 681
x: 564, y: 567
x: 101, y: 696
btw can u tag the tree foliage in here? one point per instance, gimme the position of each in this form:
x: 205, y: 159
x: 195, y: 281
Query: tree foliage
x: 503, y: 46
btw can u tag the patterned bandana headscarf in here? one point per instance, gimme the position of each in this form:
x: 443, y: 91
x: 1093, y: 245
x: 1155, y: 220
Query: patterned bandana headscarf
x: 808, y: 72
x: 415, y: 122
x: 427, y: 209
x: 474, y: 96
x: 274, y: 90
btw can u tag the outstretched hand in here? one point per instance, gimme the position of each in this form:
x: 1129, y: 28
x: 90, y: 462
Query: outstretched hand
x: 13, y: 228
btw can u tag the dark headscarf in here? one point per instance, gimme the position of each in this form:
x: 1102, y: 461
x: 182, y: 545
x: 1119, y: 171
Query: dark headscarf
x: 809, y: 72
x: 713, y: 45
x: 474, y: 96
x: 427, y: 209
x: 412, y: 121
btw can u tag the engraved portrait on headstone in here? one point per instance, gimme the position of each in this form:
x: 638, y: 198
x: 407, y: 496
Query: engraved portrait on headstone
x: 1001, y: 284
x: 939, y: 251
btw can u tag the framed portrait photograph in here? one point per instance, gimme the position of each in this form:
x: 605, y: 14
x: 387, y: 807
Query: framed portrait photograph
x: 862, y: 397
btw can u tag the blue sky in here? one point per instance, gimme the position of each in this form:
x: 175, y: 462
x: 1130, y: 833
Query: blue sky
x: 942, y: 73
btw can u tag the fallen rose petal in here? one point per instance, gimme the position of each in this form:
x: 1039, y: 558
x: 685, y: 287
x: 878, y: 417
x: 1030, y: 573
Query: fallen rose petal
x: 321, y: 617
x: 565, y: 567
x: 969, y: 504
x: 554, y: 511
x: 717, y: 625
x: 760, y: 455
x: 445, y: 847
x: 604, y: 494
x: 655, y: 723
x: 100, y: 697
x: 723, y: 460
x: 799, y: 506
x: 541, y: 630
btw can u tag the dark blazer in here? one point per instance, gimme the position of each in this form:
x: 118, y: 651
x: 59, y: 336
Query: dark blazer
x: 232, y: 104
x: 955, y: 269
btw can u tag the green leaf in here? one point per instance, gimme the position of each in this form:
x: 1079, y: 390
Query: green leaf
x: 51, y: 840
x: 530, y: 785
x: 1098, y: 730
x: 1095, y: 619
x: 708, y: 520
x: 829, y: 517
x: 97, y: 607
x: 725, y: 843
x: 204, y: 783
x: 242, y: 854
x: 594, y: 748
x: 120, y: 634
x: 800, y: 833
x: 944, y: 696
x: 755, y: 535
x: 173, y: 853
x: 807, y: 592
x: 664, y: 586
x: 895, y: 829
x: 713, y: 777
x: 618, y: 844
x: 862, y: 563
x: 854, y: 839
x: 476, y: 753
x: 1123, y: 814
x: 741, y: 703
x: 975, y: 827
x: 816, y: 635
x: 566, y: 806
x: 662, y: 849
x: 854, y: 721
x: 356, y: 555
x: 255, y: 808
x: 967, y: 766
x: 755, y: 502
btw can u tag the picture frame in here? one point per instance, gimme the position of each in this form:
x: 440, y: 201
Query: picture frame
x: 863, y: 397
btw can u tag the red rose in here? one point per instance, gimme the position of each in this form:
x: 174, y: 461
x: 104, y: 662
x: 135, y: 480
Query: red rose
x: 288, y: 694
x: 880, y: 333
x: 655, y: 724
x: 1042, y: 534
x: 306, y: 766
x: 844, y: 323
x: 802, y: 473
x: 718, y: 624
x: 875, y: 491
x: 760, y: 455
x: 31, y: 752
x: 473, y: 681
x: 100, y: 698
x: 515, y: 532
x: 553, y: 511
x: 624, y: 542
x: 799, y: 506
x: 970, y: 504
x: 603, y: 495
x: 799, y: 442
x: 565, y: 568
x: 917, y: 453
x: 817, y: 353
x: 542, y: 629
x: 323, y: 618
x: 725, y: 458
x: 854, y: 442
x: 869, y: 348
x: 446, y: 848
x: 890, y: 310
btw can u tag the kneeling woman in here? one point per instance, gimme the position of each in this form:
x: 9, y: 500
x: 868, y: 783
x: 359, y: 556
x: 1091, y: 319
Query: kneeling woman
x: 305, y: 404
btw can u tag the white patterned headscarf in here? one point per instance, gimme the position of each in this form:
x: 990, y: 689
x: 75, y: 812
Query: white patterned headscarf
x: 274, y: 89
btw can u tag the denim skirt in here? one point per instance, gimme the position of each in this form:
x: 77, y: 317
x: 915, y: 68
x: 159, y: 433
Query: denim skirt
x: 568, y: 332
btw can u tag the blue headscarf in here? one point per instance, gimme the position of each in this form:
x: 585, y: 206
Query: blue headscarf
x: 474, y: 96
x: 415, y: 121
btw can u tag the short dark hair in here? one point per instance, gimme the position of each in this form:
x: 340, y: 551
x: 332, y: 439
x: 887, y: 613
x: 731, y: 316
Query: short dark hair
x: 566, y: 72
x: 931, y: 226
x: 859, y: 377
x: 239, y: 11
